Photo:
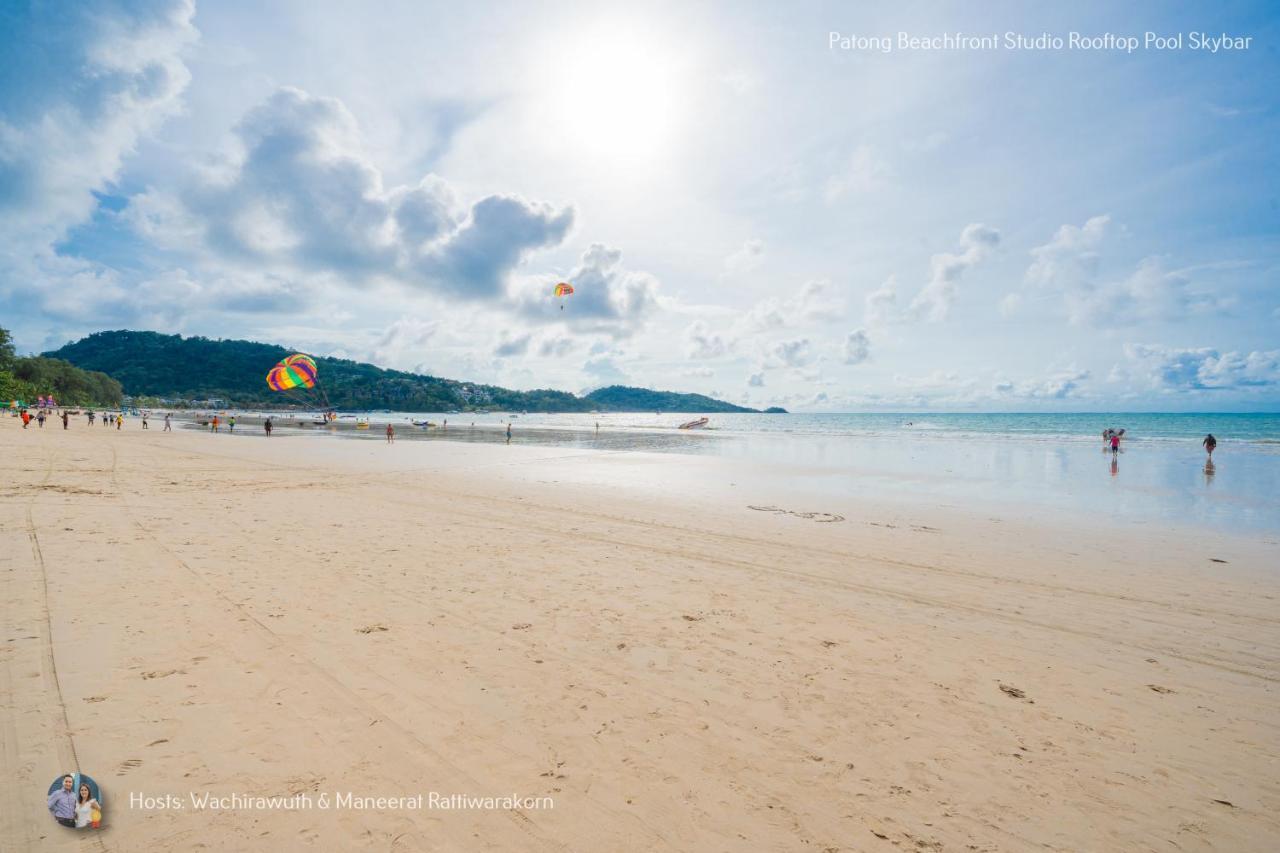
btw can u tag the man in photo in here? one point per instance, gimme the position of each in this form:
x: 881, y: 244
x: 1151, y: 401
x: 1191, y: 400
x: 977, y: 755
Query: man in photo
x: 62, y: 802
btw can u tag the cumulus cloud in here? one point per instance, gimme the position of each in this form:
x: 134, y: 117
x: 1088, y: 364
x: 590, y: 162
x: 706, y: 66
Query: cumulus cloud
x: 1205, y: 368
x: 82, y: 84
x: 511, y: 345
x: 794, y: 353
x: 857, y: 347
x: 304, y: 196
x: 1057, y: 386
x: 881, y: 304
x: 701, y: 342
x: 1069, y: 266
x: 608, y: 297
x: 933, y: 302
x: 814, y: 300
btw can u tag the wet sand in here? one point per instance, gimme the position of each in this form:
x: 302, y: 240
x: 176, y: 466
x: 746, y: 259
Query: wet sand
x: 747, y: 668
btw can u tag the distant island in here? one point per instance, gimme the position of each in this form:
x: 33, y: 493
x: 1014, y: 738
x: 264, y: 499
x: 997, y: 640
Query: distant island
x: 157, y: 369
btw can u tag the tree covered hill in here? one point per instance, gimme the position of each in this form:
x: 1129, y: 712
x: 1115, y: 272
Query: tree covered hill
x: 621, y: 398
x: 149, y: 364
x: 26, y: 378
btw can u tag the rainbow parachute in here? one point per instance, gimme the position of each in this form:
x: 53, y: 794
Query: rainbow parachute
x: 296, y: 371
x: 564, y: 289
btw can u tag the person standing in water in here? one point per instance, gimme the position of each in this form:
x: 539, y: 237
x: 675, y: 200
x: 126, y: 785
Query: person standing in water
x: 1209, y: 444
x: 1115, y: 443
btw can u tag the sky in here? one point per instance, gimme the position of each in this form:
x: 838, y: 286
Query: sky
x: 756, y: 201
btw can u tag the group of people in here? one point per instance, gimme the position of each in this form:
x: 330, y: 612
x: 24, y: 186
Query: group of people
x: 40, y: 416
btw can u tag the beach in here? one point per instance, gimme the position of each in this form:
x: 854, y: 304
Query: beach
x: 614, y: 651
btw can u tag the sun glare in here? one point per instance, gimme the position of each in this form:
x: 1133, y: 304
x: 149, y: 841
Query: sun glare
x: 614, y: 94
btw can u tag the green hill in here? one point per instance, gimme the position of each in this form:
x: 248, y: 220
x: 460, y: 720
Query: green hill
x: 149, y: 364
x: 26, y: 378
x: 621, y: 398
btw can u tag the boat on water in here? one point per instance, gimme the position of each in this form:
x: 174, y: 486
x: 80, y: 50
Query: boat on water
x: 424, y: 424
x: 695, y: 424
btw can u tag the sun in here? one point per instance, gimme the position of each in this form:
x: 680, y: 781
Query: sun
x: 614, y: 93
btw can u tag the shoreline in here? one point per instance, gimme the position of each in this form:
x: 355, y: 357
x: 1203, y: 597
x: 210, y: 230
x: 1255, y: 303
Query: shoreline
x: 304, y: 616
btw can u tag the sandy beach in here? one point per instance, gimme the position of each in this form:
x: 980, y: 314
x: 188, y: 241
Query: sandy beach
x: 188, y: 614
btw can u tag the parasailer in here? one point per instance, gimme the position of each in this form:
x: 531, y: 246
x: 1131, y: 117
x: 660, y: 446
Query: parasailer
x: 298, y: 375
x: 563, y: 289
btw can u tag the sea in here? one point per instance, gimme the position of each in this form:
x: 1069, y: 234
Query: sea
x: 1029, y: 463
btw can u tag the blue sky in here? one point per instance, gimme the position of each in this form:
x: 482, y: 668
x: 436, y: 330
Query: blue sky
x: 743, y: 210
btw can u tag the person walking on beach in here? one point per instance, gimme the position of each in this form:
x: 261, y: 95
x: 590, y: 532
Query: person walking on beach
x: 231, y: 424
x: 214, y: 423
x: 168, y: 427
x: 119, y: 420
x: 26, y: 418
x: 508, y: 432
x: 391, y: 434
x: 40, y: 419
x: 1209, y: 444
x: 65, y: 418
x: 1115, y: 443
x: 144, y: 421
x: 267, y: 426
x: 62, y: 802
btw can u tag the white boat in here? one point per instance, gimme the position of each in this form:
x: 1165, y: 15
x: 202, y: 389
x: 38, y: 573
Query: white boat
x: 697, y: 424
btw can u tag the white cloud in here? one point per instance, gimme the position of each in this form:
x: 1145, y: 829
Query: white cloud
x: 702, y: 343
x: 511, y: 345
x: 747, y: 258
x: 1057, y: 386
x: 794, y: 353
x: 857, y: 347
x: 1205, y: 368
x: 882, y: 303
x: 756, y: 380
x: 933, y: 303
x: 1070, y: 266
x: 94, y: 78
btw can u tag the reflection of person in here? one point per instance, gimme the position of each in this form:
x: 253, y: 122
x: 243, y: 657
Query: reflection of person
x: 1209, y: 470
x: 62, y: 802
x: 1209, y: 444
x: 86, y: 805
x: 1115, y: 465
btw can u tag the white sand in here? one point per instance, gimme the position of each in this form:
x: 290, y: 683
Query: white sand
x: 189, y: 613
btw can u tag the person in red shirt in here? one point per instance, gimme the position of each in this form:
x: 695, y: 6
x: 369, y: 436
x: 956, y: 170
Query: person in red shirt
x: 1115, y: 442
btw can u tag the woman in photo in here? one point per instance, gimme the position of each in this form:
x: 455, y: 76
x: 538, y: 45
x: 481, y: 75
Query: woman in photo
x: 87, y: 809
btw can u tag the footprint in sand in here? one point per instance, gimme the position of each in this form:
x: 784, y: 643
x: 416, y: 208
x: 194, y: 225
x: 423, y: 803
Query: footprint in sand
x: 821, y: 517
x: 1015, y: 692
x: 127, y: 765
x: 95, y: 699
x: 1158, y: 689
x: 162, y: 673
x: 371, y: 629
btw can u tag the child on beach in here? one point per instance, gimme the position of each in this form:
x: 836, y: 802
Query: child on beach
x: 119, y: 420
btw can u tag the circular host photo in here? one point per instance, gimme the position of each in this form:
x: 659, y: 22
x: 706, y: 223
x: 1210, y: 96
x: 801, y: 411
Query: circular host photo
x: 75, y: 801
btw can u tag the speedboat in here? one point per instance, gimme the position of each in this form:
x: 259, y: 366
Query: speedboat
x: 696, y: 424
